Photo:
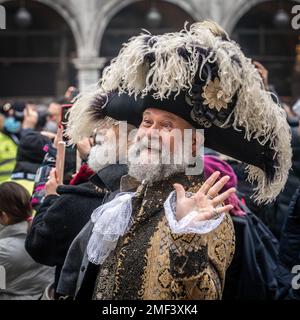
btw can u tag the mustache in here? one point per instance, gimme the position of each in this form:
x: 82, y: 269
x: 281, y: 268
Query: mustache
x: 145, y: 143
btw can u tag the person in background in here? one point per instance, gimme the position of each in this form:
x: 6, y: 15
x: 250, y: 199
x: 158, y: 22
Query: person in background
x: 289, y: 252
x: 30, y: 155
x: 9, y: 138
x: 70, y: 94
x: 261, y: 266
x: 67, y: 208
x: 43, y: 115
x: 264, y: 74
x: 42, y: 174
x: 54, y: 109
x: 18, y: 120
x: 292, y: 118
x: 30, y: 152
x: 53, y: 118
x: 14, y: 116
x: 252, y: 273
x: 43, y: 171
x: 8, y: 151
x: 25, y: 279
x: 78, y: 274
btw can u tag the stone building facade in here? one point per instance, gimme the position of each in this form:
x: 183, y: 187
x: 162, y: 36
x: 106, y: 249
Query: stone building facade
x: 88, y: 21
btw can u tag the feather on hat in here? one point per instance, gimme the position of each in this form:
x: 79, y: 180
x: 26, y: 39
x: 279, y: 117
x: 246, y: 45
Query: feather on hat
x: 204, y: 76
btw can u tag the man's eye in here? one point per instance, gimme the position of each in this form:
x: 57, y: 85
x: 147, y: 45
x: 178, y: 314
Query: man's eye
x: 167, y: 125
x: 147, y: 122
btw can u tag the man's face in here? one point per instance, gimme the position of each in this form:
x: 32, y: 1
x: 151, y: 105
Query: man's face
x: 160, y: 138
x: 157, y: 131
x: 54, y: 112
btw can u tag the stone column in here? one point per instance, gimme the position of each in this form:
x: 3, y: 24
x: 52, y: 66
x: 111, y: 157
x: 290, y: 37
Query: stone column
x: 88, y: 69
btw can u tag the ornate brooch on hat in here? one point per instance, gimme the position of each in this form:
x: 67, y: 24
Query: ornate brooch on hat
x: 214, y: 96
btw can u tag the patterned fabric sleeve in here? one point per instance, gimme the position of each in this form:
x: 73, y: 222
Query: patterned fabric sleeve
x: 198, y: 263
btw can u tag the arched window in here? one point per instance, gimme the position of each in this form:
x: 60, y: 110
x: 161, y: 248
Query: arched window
x: 155, y: 16
x: 265, y: 34
x: 35, y: 52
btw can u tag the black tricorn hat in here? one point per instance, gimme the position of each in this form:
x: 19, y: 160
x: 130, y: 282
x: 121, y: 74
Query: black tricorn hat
x: 202, y: 76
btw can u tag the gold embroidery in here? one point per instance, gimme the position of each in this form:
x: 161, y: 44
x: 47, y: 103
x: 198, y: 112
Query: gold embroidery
x: 186, y: 237
x: 158, y: 282
x: 164, y: 278
x: 157, y: 278
x: 170, y: 266
x: 222, y: 247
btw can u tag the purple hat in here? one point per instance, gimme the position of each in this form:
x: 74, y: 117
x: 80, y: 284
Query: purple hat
x: 212, y: 164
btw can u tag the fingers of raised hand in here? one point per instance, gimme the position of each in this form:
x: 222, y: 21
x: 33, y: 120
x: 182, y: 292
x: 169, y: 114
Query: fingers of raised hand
x: 180, y: 192
x: 52, y: 175
x: 212, y: 213
x: 214, y: 190
x: 201, y: 200
x: 222, y: 197
x: 209, y: 182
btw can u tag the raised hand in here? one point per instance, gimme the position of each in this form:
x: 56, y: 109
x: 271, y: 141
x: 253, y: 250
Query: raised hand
x: 263, y: 73
x: 52, y: 183
x: 30, y: 118
x: 206, y: 201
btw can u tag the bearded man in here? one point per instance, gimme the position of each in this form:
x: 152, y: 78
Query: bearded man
x: 150, y: 241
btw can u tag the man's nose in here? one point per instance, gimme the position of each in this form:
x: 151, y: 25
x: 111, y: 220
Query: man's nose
x: 154, y: 127
x: 153, y: 132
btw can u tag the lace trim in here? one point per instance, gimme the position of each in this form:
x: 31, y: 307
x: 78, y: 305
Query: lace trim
x: 187, y: 224
x: 111, y: 221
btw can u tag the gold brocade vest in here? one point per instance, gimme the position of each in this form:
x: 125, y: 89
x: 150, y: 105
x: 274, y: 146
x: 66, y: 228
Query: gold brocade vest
x: 151, y: 262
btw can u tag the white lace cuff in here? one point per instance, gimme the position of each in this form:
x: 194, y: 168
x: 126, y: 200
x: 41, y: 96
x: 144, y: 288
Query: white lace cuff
x: 187, y: 223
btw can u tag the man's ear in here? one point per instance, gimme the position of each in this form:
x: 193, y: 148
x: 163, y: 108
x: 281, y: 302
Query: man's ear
x: 198, y: 141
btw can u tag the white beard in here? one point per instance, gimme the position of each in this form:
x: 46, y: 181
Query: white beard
x: 141, y: 168
x: 156, y: 172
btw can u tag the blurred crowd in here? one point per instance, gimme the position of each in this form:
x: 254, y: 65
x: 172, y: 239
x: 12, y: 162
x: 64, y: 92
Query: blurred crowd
x: 44, y: 226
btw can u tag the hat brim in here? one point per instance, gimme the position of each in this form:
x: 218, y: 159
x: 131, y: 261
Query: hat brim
x: 227, y: 141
